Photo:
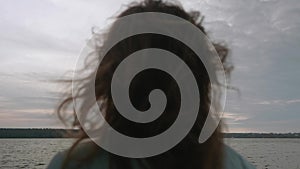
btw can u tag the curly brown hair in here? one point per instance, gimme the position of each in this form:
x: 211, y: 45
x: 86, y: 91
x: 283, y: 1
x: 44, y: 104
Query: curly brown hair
x: 188, y: 153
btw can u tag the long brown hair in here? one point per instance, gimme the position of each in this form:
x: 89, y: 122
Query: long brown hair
x: 188, y: 153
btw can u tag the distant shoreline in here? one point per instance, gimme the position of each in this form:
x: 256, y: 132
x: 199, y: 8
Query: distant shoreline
x: 37, y: 133
x: 72, y: 133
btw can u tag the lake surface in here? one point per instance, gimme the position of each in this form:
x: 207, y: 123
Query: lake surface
x: 263, y: 153
x: 269, y: 153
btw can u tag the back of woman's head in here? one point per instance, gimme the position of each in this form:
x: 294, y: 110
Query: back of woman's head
x: 188, y: 153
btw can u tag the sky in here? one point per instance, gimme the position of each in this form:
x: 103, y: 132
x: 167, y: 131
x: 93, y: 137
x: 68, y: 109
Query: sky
x: 40, y: 40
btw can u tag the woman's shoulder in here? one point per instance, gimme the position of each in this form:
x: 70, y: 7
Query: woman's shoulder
x: 78, y: 156
x: 233, y: 160
x: 57, y: 161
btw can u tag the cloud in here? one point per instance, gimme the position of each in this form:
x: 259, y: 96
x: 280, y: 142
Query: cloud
x: 234, y: 118
x: 279, y: 102
x: 28, y: 118
x: 41, y: 43
x: 241, y: 130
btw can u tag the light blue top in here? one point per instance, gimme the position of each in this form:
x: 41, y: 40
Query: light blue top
x: 232, y: 160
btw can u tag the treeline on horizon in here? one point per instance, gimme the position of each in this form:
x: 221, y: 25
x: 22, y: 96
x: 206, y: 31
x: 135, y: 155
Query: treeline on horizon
x: 72, y: 133
x: 37, y: 133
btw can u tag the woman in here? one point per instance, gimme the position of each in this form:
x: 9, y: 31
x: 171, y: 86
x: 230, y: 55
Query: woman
x: 212, y: 154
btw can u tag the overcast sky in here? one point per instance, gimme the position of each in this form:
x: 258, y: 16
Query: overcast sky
x: 40, y: 40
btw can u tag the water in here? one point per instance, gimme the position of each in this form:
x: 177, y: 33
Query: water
x: 269, y: 153
x: 263, y: 153
x: 29, y: 153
